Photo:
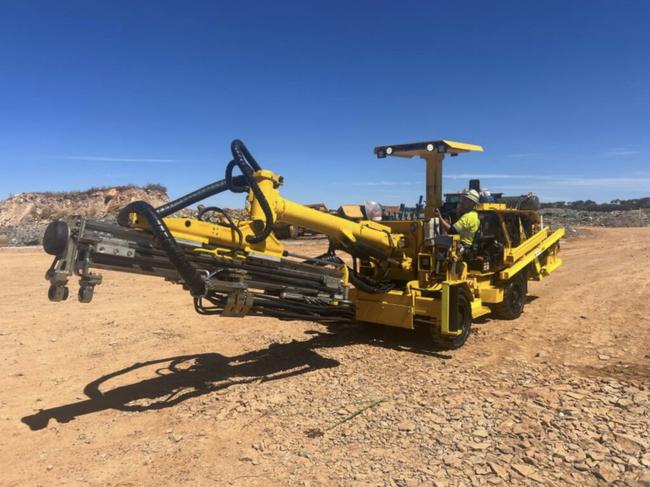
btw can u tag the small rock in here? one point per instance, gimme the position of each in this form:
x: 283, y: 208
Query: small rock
x: 498, y: 470
x: 249, y: 455
x: 481, y: 433
x: 641, y: 398
x: 523, y: 469
x: 644, y: 479
x: 606, y: 472
x: 406, y: 425
x: 478, y: 446
x: 624, y: 403
x: 603, y: 357
x: 629, y: 444
x: 50, y: 467
x: 633, y: 462
x: 645, y: 460
x: 596, y: 455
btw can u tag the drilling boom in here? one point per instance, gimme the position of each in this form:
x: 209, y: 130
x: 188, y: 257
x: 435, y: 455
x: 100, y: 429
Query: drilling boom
x: 403, y: 273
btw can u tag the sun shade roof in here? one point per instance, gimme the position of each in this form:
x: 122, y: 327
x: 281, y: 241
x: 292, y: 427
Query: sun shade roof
x: 423, y: 148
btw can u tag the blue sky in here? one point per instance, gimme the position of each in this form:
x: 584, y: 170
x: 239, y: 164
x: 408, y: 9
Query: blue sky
x: 104, y: 93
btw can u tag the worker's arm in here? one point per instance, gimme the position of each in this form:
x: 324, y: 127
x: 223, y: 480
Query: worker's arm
x: 446, y: 226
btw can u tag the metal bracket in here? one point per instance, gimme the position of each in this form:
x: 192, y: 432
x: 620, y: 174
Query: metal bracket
x: 60, y: 271
x: 238, y: 304
x: 114, y: 247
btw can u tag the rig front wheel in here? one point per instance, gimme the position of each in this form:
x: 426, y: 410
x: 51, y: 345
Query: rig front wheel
x: 463, y: 318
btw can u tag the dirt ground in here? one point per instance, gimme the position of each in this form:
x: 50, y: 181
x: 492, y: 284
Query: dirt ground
x: 136, y: 389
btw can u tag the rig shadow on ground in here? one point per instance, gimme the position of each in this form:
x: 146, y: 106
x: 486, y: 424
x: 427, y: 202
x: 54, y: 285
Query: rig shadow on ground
x: 175, y: 379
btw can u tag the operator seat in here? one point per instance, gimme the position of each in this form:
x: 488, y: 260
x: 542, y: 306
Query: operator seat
x: 486, y: 251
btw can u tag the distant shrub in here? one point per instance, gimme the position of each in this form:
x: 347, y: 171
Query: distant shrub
x: 96, y: 189
x: 589, y: 205
x: 156, y: 187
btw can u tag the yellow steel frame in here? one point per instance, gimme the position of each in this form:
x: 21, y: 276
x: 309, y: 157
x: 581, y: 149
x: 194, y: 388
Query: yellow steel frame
x: 401, y: 242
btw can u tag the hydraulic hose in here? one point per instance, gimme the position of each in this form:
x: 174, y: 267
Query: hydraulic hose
x: 365, y: 286
x: 175, y: 253
x: 244, y: 160
x: 246, y: 153
x: 200, y: 194
x: 247, y: 164
x: 231, y: 223
x: 233, y: 185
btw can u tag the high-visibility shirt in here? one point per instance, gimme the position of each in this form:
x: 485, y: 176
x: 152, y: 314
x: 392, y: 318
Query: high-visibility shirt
x: 467, y: 226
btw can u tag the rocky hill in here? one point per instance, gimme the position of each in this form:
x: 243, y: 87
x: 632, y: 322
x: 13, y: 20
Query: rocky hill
x: 95, y: 203
x: 587, y: 213
x: 571, y: 219
x: 23, y: 216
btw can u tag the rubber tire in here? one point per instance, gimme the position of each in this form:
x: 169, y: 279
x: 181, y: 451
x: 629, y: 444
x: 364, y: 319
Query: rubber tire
x: 58, y: 293
x: 453, y: 342
x: 514, y: 299
x: 86, y: 294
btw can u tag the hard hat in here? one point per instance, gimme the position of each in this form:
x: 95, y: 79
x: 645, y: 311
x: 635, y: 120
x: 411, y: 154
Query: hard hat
x: 472, y: 195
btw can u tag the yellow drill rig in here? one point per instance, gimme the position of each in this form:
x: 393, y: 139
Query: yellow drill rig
x: 405, y: 274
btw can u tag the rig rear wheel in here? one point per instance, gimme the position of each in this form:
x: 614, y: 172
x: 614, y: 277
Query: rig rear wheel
x: 514, y: 299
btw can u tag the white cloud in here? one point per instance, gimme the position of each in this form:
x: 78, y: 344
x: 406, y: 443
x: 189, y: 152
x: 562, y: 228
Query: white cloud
x: 531, y: 180
x: 496, y: 176
x: 522, y: 154
x: 446, y: 176
x: 548, y: 188
x: 622, y: 152
x: 113, y: 159
x: 376, y: 183
x: 612, y: 183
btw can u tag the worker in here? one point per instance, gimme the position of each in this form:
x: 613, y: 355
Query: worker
x: 468, y: 221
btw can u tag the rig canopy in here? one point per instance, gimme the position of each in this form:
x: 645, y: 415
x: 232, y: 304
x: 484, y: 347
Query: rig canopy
x: 424, y: 149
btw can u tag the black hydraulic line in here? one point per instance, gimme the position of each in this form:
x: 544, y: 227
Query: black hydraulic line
x: 247, y: 155
x: 231, y: 224
x: 367, y: 285
x: 267, y: 305
x: 363, y: 250
x: 280, y: 273
x: 175, y: 253
x: 247, y: 164
x: 200, y: 194
x: 233, y: 185
x: 236, y: 184
x: 328, y: 257
x: 324, y: 259
x: 244, y: 160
